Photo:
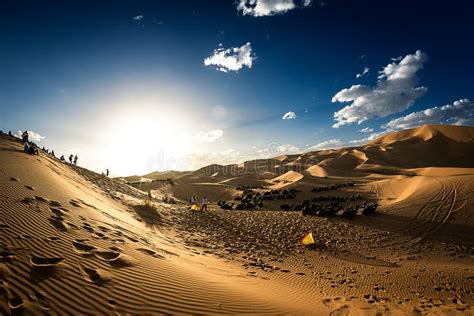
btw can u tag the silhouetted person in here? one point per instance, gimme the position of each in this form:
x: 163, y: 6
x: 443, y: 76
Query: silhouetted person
x: 24, y: 136
x: 62, y: 158
x: 107, y: 172
x: 75, y: 160
x: 10, y: 133
x: 71, y: 157
x: 52, y: 153
x: 26, y: 147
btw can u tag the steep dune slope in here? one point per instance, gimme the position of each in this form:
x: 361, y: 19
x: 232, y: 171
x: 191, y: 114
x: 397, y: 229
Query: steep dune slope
x: 69, y: 246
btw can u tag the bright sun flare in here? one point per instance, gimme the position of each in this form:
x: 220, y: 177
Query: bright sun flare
x: 151, y: 142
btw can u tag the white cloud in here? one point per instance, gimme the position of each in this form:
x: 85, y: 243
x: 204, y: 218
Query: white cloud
x: 363, y: 73
x: 260, y: 8
x: 231, y: 59
x: 32, y: 136
x: 458, y: 113
x: 327, y: 144
x: 366, y: 130
x: 138, y: 17
x: 394, y: 92
x: 289, y: 116
x: 362, y: 141
x: 209, y: 137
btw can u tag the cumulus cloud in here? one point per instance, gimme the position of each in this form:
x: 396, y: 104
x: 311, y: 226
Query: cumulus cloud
x: 366, y: 130
x: 461, y: 112
x: 138, y: 17
x: 289, y: 116
x: 32, y: 136
x: 260, y: 8
x: 363, y: 73
x: 209, y: 136
x: 395, y: 91
x: 231, y: 59
x: 362, y: 141
x: 328, y: 144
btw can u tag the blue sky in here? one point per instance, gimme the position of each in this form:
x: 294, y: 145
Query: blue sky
x: 125, y: 85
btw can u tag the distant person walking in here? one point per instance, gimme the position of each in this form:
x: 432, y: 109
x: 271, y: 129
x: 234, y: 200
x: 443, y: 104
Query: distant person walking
x: 193, y: 199
x: 24, y: 136
x: 71, y: 157
x: 107, y: 172
x: 205, y: 201
x: 75, y: 160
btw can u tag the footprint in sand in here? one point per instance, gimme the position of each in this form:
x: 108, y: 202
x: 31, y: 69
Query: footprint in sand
x: 75, y: 203
x: 87, y: 227
x: 97, y: 276
x: 82, y: 247
x: 41, y: 300
x: 58, y: 223
x: 114, y: 258
x: 45, y: 261
x: 42, y: 199
x: 14, y: 179
x: 150, y: 252
x: 107, y: 255
x: 6, y: 255
x: 28, y: 200
x: 58, y: 212
x: 103, y: 229
x: 98, y: 235
x: 54, y: 203
x: 29, y: 187
x: 15, y: 303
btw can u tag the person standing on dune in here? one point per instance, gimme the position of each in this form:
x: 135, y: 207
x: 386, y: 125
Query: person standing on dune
x: 107, y: 172
x: 71, y: 157
x: 205, y: 201
x: 24, y: 136
x: 75, y: 160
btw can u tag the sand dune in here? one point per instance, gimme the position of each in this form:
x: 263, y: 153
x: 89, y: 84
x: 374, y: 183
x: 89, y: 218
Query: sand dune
x: 73, y: 241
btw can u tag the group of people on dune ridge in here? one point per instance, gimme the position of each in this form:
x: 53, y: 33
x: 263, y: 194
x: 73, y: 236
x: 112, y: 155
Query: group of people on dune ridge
x: 31, y: 148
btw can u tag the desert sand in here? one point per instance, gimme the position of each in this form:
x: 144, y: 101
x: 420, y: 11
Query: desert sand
x: 73, y: 241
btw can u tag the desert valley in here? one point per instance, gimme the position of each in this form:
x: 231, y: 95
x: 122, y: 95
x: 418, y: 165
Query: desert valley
x: 392, y: 223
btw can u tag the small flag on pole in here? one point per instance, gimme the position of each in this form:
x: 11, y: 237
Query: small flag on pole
x: 307, y: 239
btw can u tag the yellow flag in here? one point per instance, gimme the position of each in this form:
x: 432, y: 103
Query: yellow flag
x: 307, y: 239
x: 195, y: 207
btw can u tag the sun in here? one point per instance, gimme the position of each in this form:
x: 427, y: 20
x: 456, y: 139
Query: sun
x: 146, y: 142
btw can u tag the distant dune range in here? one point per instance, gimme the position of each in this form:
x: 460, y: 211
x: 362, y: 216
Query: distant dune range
x: 73, y: 241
